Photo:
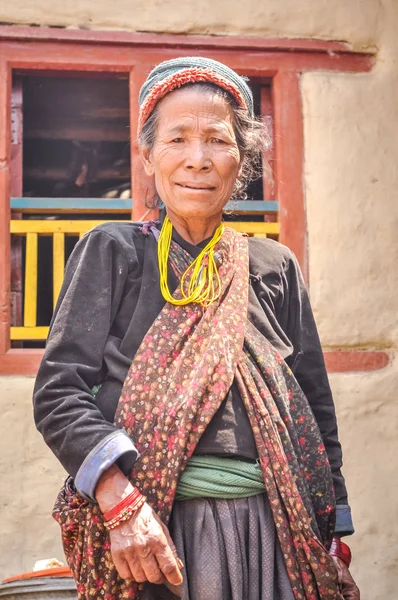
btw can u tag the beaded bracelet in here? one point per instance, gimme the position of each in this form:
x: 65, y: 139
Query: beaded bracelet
x: 126, y: 502
x: 125, y: 514
x: 124, y: 510
x: 340, y: 550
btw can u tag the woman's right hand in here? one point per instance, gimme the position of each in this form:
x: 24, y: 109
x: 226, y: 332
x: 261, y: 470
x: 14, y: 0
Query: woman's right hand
x: 141, y: 548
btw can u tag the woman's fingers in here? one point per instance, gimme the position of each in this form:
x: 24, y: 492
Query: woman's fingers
x: 151, y: 569
x: 137, y: 570
x: 168, y: 537
x: 152, y: 546
x: 168, y: 564
x: 121, y: 565
x: 156, y: 557
x: 142, y: 549
x: 171, y: 544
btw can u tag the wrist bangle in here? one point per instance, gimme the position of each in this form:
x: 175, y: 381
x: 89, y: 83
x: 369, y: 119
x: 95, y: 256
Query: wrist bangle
x: 341, y: 551
x: 125, y: 514
x: 126, y: 502
x: 124, y: 510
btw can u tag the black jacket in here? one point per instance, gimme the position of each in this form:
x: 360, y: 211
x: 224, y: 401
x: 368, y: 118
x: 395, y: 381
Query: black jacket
x: 110, y: 298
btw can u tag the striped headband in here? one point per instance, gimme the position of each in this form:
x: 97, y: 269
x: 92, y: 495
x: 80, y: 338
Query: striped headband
x: 175, y: 73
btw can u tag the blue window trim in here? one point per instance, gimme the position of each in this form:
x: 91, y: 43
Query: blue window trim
x: 116, y: 204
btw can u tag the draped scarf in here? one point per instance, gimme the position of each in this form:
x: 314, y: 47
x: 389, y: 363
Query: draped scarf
x: 177, y: 380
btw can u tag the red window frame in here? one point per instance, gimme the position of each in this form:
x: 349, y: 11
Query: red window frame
x: 280, y: 60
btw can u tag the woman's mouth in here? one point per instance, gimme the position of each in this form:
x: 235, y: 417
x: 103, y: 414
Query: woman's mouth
x: 196, y: 187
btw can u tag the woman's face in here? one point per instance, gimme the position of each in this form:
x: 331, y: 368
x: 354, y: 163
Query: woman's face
x: 195, y: 158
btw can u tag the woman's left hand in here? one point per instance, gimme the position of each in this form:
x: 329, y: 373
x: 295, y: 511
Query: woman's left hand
x: 349, y: 588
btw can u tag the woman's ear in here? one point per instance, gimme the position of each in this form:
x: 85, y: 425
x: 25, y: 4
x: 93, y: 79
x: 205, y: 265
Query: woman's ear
x: 146, y: 158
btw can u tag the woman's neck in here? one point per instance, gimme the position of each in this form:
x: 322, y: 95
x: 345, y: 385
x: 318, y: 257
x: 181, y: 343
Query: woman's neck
x: 194, y: 230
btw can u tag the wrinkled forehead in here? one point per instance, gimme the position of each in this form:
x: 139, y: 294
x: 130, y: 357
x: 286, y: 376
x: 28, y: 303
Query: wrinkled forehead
x: 195, y: 103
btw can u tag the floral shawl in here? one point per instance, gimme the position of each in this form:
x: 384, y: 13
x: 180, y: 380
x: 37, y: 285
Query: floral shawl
x: 178, y: 379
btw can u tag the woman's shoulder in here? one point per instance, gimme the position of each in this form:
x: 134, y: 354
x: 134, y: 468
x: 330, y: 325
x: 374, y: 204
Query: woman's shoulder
x: 127, y: 234
x: 117, y: 238
x: 122, y: 231
x: 267, y: 255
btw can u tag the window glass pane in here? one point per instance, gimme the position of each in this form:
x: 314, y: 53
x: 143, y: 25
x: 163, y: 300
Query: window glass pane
x: 76, y: 137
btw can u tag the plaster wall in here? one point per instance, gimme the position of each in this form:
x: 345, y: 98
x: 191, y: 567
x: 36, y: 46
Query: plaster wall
x: 351, y: 141
x: 351, y: 187
x: 30, y: 479
x: 368, y: 413
x: 358, y: 21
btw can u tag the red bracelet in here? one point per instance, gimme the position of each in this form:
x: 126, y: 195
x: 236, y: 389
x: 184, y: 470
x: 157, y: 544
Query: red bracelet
x: 340, y: 550
x: 128, y: 501
x: 125, y: 514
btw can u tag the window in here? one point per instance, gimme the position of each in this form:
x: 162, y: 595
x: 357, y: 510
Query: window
x: 71, y: 145
x: 68, y: 117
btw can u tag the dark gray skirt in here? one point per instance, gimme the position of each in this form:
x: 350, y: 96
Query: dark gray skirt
x: 230, y: 551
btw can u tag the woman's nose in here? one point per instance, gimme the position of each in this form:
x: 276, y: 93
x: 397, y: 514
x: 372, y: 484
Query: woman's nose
x: 197, y: 157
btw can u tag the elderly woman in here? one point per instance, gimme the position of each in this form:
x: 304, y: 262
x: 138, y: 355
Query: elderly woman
x: 183, y: 385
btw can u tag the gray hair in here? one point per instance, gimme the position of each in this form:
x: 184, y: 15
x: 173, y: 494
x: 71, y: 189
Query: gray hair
x: 252, y: 138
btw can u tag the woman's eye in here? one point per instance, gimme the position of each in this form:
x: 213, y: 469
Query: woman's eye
x: 177, y: 140
x: 217, y: 141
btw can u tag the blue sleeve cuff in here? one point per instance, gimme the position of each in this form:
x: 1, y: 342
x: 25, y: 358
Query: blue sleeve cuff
x: 344, y: 525
x: 116, y: 447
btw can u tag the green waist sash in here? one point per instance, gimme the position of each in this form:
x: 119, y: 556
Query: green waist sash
x: 219, y: 477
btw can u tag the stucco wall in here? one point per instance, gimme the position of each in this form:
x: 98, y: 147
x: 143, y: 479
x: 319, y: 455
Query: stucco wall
x: 368, y: 413
x: 358, y: 21
x: 351, y: 182
x: 30, y: 479
x: 351, y: 141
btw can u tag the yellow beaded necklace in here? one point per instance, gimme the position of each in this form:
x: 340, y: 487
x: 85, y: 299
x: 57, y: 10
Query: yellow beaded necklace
x: 201, y: 288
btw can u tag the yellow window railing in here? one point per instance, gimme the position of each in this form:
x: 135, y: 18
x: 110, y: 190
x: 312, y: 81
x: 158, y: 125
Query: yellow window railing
x: 58, y: 230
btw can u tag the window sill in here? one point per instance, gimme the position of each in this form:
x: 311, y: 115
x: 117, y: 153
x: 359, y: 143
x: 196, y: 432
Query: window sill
x: 26, y: 361
x: 21, y: 361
